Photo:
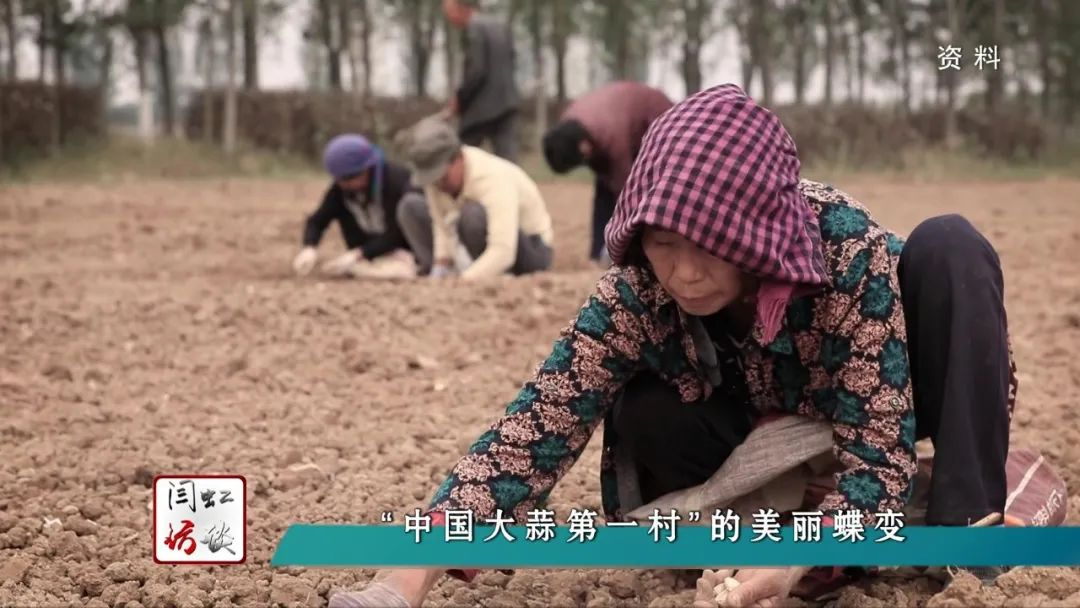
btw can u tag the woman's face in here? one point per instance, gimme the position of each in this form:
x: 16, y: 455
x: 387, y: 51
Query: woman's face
x: 701, y: 283
x: 356, y: 183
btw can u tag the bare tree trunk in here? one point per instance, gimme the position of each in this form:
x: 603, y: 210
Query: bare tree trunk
x: 344, y: 41
x: 422, y: 17
x: 11, y: 10
x: 105, y: 71
x: 59, y: 43
x: 354, y: 67
x: 939, y: 86
x: 1069, y: 17
x: 333, y: 50
x: 366, y: 32
x: 830, y: 50
x: 168, y: 105
x: 9, y: 72
x: 434, y: 15
x: 617, y: 35
x: 799, y: 33
x: 898, y: 20
x: 760, y: 47
x: 860, y: 50
x: 43, y: 38
x: 229, y: 119
x: 356, y: 41
x: 419, y: 51
x: 1043, y: 40
x: 1023, y: 93
x: 146, y: 103
x: 351, y: 44
x: 694, y: 14
x: 536, y: 24
x: 560, y: 35
x: 250, y: 20
x: 906, y: 84
x: 994, y: 77
x: 848, y: 49
x: 209, y: 65
x: 952, y: 15
x: 800, y: 76
x: 623, y: 55
x: 59, y: 73
x: 747, y: 69
x: 450, y: 51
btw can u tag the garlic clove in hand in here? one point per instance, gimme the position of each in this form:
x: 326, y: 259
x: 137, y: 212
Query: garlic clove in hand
x: 723, y: 589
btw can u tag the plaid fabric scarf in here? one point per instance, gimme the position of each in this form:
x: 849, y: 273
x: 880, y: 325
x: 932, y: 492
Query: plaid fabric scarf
x: 722, y: 171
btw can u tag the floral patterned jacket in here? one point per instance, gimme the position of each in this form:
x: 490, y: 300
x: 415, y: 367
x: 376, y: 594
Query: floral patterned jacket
x: 840, y: 356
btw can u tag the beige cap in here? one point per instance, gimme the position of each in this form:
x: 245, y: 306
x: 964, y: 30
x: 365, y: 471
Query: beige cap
x: 428, y: 147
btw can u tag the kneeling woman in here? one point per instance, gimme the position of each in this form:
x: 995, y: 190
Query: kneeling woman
x: 363, y: 199
x: 740, y: 290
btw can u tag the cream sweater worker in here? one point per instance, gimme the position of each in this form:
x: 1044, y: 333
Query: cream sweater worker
x: 476, y: 199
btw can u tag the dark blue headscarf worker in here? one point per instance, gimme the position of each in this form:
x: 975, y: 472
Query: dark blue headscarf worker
x: 363, y: 199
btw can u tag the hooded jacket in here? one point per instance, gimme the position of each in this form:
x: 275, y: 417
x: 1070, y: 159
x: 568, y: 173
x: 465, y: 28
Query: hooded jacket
x: 829, y: 341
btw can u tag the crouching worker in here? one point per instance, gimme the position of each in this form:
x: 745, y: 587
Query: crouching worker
x: 481, y: 215
x: 603, y: 130
x: 740, y: 292
x: 363, y: 199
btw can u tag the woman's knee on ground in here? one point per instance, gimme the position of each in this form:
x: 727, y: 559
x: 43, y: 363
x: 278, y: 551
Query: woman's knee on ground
x: 412, y: 209
x: 949, y: 244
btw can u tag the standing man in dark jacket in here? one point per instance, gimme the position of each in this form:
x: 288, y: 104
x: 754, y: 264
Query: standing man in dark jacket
x: 363, y: 200
x: 603, y: 129
x: 487, y: 101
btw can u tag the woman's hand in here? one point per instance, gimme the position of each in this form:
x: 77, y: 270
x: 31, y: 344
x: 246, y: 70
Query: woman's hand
x: 763, y: 587
x: 748, y: 588
x: 405, y: 588
x: 305, y: 261
x: 343, y: 264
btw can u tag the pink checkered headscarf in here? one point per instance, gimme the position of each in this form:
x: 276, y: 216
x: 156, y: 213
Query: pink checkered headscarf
x: 723, y: 172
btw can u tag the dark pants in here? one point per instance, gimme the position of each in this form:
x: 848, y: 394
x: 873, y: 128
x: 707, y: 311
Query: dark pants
x: 675, y: 445
x: 502, y: 132
x: 603, y: 208
x: 413, y: 216
x: 953, y: 296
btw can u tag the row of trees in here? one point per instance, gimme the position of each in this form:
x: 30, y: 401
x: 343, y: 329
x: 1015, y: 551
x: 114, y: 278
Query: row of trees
x: 849, y: 42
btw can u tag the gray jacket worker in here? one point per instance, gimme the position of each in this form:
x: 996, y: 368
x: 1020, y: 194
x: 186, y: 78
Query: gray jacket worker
x: 488, y: 98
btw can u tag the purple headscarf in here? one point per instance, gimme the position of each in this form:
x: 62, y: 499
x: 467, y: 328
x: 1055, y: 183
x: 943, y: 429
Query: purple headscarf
x: 350, y: 154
